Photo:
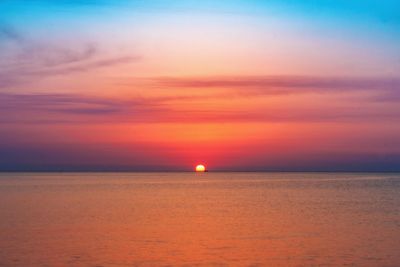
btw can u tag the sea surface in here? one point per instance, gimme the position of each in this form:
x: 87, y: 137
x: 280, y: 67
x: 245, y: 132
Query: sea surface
x: 199, y: 219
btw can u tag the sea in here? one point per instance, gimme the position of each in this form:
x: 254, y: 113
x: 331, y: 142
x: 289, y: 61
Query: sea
x: 200, y: 219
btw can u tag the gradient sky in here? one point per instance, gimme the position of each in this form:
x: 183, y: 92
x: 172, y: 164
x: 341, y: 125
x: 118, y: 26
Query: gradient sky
x: 232, y: 84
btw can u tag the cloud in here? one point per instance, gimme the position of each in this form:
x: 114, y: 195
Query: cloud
x: 25, y: 60
x: 382, y: 89
x: 63, y: 102
x: 82, y: 67
x: 8, y: 33
x: 75, y: 108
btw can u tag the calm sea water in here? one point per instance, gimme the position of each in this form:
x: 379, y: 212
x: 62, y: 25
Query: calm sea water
x: 207, y: 219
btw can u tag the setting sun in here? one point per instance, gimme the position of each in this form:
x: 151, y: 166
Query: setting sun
x: 200, y: 168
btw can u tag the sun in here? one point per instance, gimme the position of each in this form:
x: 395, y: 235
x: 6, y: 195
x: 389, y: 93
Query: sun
x: 200, y: 168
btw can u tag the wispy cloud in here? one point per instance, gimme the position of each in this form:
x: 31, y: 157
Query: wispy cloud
x: 25, y: 59
x: 75, y: 108
x: 282, y: 84
x: 8, y: 33
x: 68, y: 108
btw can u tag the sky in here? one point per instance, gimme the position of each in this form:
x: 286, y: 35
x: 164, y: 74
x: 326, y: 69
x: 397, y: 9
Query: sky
x: 238, y: 85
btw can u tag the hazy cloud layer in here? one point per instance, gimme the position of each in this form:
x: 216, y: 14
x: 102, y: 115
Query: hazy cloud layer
x: 67, y: 108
